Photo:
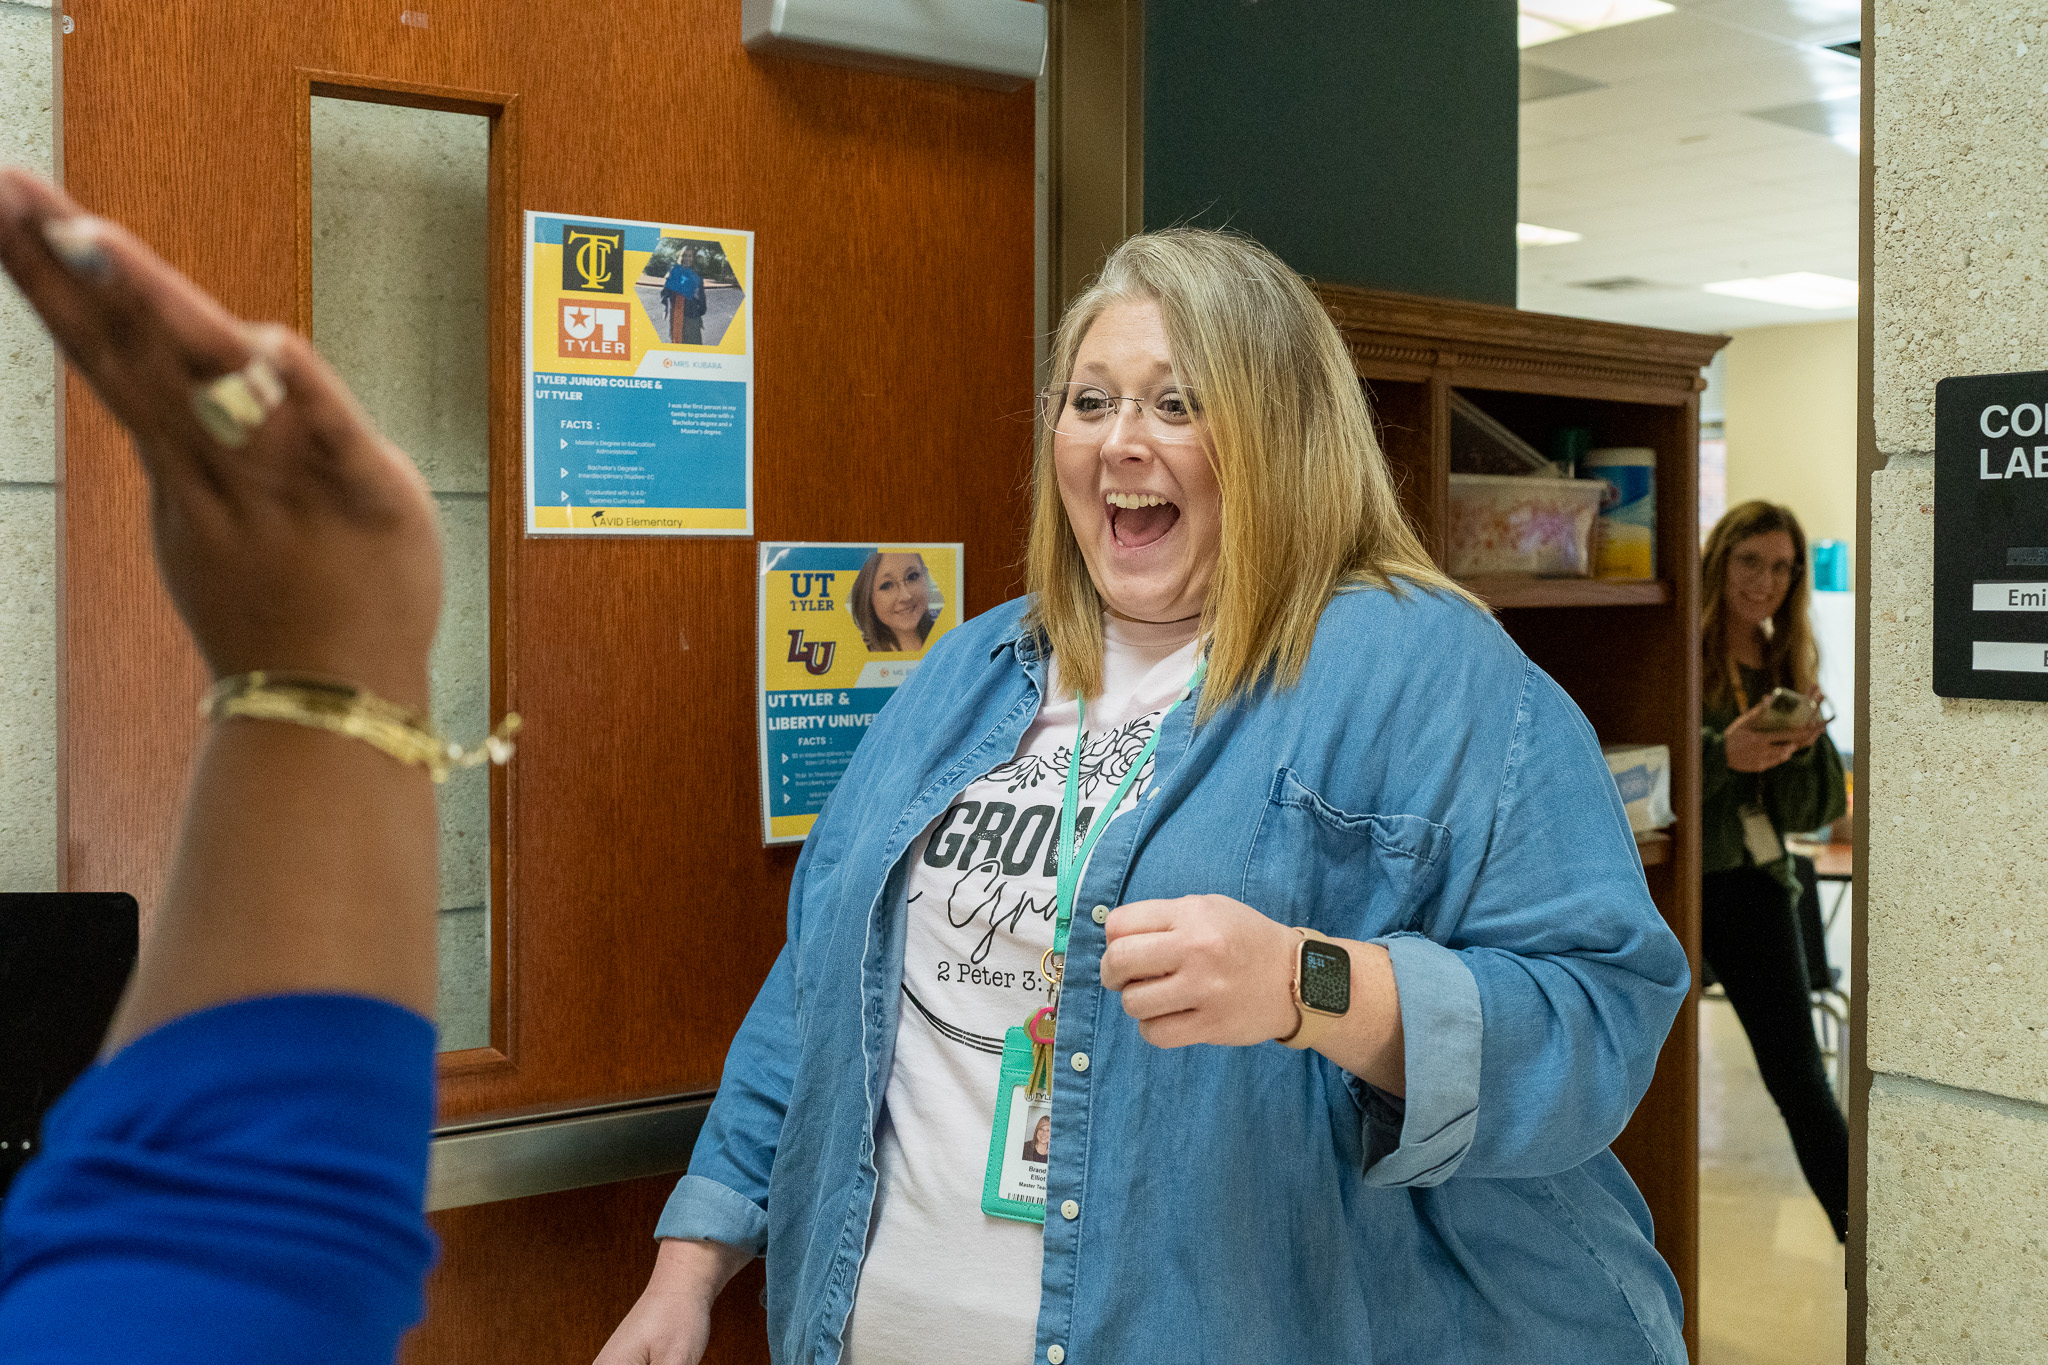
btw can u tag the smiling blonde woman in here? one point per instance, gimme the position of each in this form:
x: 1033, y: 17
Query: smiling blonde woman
x: 892, y: 602
x: 1376, y: 867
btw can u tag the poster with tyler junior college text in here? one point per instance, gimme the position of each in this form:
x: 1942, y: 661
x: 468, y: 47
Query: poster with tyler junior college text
x: 842, y: 626
x: 639, y: 378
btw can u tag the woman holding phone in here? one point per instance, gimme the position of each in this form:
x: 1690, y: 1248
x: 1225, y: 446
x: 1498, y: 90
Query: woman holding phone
x: 1762, y: 780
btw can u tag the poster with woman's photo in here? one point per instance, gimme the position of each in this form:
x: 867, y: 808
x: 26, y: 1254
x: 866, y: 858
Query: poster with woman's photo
x: 841, y: 627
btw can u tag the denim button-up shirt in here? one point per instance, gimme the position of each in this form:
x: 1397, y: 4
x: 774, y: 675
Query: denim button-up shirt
x: 1424, y: 787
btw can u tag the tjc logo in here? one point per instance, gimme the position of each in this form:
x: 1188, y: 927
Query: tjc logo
x: 802, y: 584
x: 594, y: 259
x: 592, y: 332
x: 814, y: 655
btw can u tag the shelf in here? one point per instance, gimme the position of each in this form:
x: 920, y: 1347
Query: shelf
x: 1513, y: 591
x: 1654, y: 848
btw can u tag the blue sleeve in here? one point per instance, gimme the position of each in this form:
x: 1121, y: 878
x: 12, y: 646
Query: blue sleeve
x: 724, y: 1196
x: 239, y: 1187
x: 1533, y: 1027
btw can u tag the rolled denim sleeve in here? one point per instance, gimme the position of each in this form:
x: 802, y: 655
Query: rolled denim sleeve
x: 1420, y: 1139
x: 702, y: 1209
x: 1533, y: 1014
x: 1579, y: 978
x: 724, y: 1198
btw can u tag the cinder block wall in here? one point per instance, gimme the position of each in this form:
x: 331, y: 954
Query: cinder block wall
x: 28, y: 495
x: 1958, y: 868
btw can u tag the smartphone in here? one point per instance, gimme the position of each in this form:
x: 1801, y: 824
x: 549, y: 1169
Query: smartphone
x: 1785, y: 709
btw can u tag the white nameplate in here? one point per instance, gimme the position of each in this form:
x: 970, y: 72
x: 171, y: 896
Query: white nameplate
x: 2009, y: 597
x: 2004, y: 656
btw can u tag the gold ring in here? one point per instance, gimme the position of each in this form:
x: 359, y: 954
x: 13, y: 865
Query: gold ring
x: 1055, y: 972
x: 235, y: 406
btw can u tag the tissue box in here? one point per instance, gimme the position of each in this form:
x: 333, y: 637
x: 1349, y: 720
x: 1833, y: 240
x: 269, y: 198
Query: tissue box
x: 1642, y: 773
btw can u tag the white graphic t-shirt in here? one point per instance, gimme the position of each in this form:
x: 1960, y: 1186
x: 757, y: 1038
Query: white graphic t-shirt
x: 943, y: 1281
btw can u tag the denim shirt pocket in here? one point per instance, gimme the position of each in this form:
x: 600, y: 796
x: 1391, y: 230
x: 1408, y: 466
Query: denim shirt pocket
x: 1349, y: 875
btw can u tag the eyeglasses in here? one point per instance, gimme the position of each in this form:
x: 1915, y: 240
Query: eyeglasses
x: 1752, y: 565
x: 1168, y: 414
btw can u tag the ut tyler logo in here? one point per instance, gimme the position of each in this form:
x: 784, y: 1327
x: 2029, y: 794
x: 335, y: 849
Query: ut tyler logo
x: 593, y: 331
x: 594, y: 259
x: 804, y: 584
x: 814, y: 655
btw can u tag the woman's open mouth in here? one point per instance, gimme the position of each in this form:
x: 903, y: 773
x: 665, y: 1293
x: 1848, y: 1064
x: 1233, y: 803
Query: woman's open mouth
x: 1137, y: 520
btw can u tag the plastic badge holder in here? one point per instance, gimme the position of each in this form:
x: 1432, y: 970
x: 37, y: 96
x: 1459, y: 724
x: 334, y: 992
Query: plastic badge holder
x: 1013, y: 1186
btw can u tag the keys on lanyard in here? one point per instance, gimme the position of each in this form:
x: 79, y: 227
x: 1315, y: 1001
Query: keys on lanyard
x: 1073, y: 856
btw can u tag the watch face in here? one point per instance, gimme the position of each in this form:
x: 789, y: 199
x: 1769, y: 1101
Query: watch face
x: 1325, y: 977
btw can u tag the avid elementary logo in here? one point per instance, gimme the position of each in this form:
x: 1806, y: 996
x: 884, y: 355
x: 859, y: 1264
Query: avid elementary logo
x: 593, y: 259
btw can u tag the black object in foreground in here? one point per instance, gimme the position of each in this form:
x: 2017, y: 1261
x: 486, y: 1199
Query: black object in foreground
x: 64, y: 961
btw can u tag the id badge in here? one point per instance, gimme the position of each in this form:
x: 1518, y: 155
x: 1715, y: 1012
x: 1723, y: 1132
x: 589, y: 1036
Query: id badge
x: 1020, y: 1140
x: 1759, y: 837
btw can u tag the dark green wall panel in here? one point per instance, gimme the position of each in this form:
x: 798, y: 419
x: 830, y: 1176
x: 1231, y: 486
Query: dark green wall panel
x: 1368, y: 142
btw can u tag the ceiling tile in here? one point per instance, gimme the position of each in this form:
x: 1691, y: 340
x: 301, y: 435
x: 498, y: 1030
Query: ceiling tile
x: 1771, y: 76
x: 1544, y: 82
x: 1669, y: 42
x: 1639, y: 104
x: 1669, y: 179
x: 1808, y: 21
x: 1817, y: 162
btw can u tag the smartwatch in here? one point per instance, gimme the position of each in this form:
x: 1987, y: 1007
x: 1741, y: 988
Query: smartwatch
x: 1322, y: 987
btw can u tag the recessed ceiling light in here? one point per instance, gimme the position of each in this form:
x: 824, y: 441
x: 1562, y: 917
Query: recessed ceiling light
x: 1528, y: 234
x: 1544, y: 21
x: 1800, y: 289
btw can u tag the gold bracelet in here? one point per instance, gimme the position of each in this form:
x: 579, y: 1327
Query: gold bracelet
x: 345, y: 709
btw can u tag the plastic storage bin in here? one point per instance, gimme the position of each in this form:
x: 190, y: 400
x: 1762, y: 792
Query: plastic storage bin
x: 1507, y: 525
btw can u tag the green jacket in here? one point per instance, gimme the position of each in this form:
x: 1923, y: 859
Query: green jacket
x: 1803, y: 793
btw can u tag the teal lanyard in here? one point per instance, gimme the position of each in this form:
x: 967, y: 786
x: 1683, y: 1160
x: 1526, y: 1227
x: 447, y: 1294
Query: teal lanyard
x: 1072, y: 858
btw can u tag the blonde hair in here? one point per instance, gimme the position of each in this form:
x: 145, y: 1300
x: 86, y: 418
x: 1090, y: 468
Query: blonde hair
x: 1308, y: 504
x: 1791, y: 658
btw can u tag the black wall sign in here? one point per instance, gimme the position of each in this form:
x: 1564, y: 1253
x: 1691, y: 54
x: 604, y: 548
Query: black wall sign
x: 1991, y: 536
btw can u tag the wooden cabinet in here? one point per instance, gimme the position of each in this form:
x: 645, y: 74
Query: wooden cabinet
x: 1627, y: 651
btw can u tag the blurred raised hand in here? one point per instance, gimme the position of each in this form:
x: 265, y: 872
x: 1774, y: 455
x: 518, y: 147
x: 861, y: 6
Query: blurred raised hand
x: 302, y: 541
x: 294, y: 539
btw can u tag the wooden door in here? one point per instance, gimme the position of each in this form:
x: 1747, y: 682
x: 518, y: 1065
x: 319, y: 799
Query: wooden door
x: 634, y: 909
